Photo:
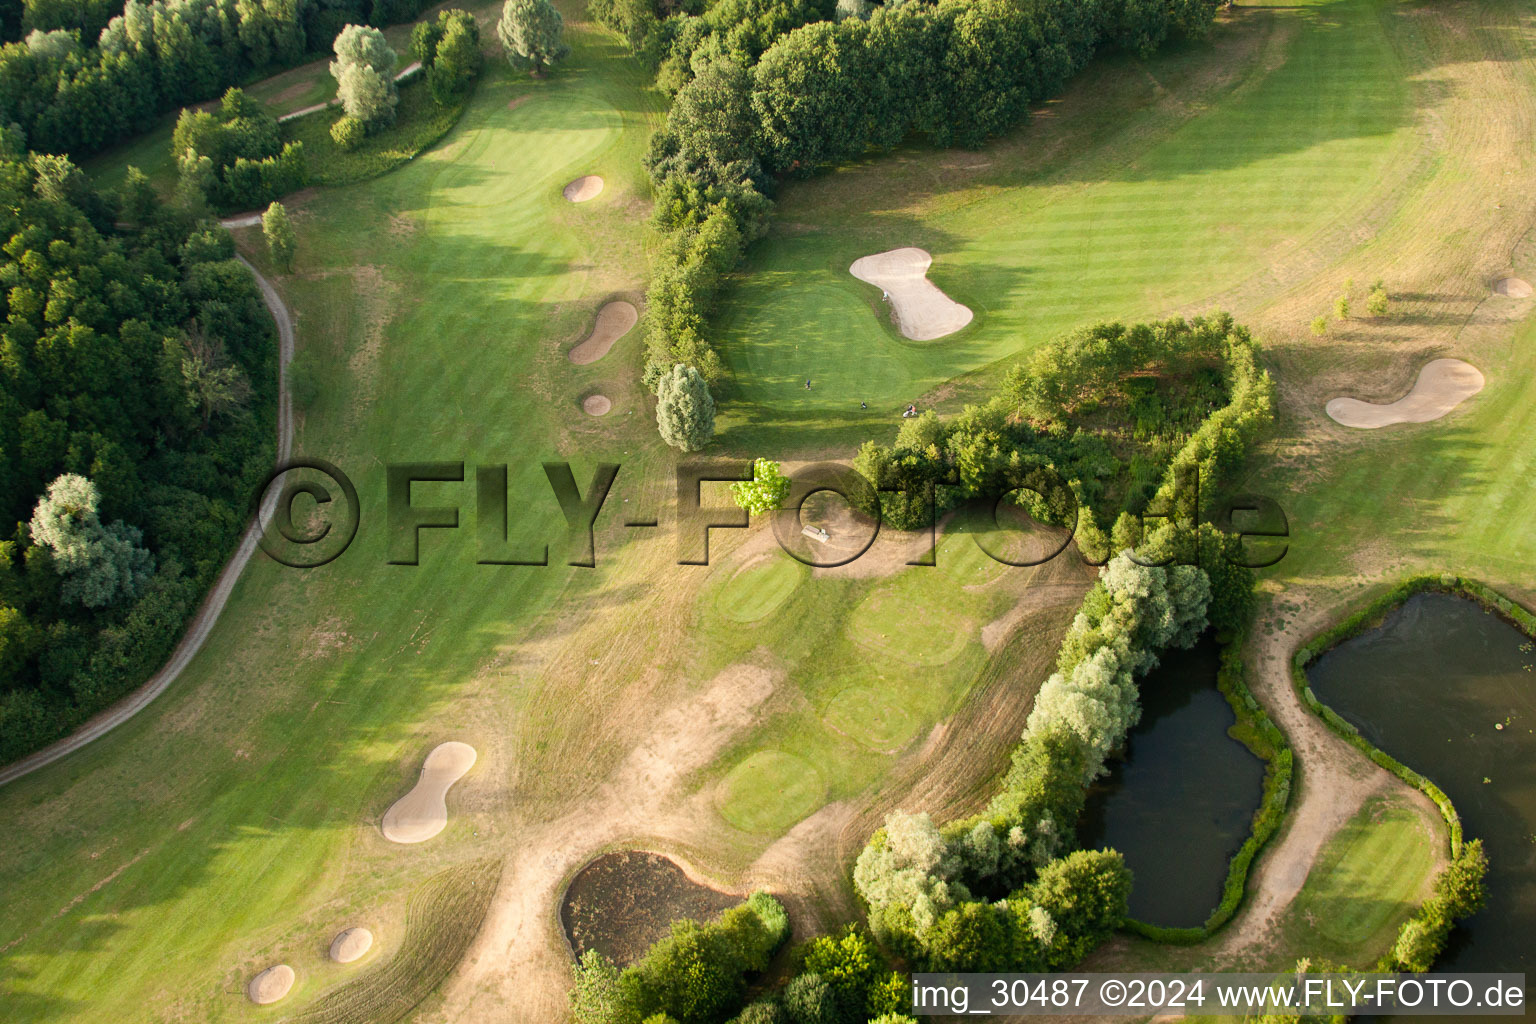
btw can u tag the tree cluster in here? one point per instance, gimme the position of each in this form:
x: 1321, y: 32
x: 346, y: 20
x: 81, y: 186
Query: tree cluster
x: 81, y: 91
x: 698, y: 974
x: 1001, y: 891
x: 1459, y: 893
x: 234, y: 159
x: 137, y: 409
x: 449, y: 50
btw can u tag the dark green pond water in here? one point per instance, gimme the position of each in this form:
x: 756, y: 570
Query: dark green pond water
x: 1180, y: 802
x: 1430, y: 686
x: 622, y: 903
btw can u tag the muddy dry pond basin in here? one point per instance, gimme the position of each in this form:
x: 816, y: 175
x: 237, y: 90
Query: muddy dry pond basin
x: 1449, y: 689
x: 1180, y: 801
x: 622, y: 903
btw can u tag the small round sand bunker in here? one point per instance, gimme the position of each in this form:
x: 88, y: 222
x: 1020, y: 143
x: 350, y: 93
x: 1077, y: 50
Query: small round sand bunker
x: 423, y: 812
x: 1443, y: 384
x: 584, y: 188
x: 613, y: 322
x: 923, y: 312
x: 1515, y: 288
x: 351, y: 945
x: 270, y: 985
x: 596, y: 405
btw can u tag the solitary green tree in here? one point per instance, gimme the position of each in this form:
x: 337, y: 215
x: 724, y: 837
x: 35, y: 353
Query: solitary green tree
x: 364, y: 71
x: 279, y: 235
x: 532, y: 34
x: 685, y: 410
x: 1341, y: 306
x: 1320, y: 326
x: 766, y: 490
x: 457, y: 58
x: 1378, y: 301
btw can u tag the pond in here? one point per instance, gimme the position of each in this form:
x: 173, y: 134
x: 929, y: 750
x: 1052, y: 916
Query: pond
x: 1447, y: 688
x: 622, y: 903
x: 1180, y: 801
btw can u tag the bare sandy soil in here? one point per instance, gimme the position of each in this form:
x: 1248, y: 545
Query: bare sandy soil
x: 1443, y: 384
x: 423, y: 812
x: 613, y: 322
x: 1514, y: 288
x: 583, y: 189
x: 270, y: 985
x: 921, y: 310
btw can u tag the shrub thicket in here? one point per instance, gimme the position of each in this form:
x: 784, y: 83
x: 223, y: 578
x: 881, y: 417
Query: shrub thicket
x: 235, y: 159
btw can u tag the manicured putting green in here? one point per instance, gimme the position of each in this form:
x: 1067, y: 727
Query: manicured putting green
x: 770, y: 791
x: 865, y: 714
x: 1368, y: 874
x: 758, y: 590
x: 917, y: 618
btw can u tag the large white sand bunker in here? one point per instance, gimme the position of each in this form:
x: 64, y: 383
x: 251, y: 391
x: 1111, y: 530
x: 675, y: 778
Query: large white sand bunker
x: 270, y: 985
x: 351, y: 945
x: 1515, y: 288
x: 583, y: 188
x: 613, y: 322
x: 1443, y: 384
x: 423, y: 812
x: 922, y: 311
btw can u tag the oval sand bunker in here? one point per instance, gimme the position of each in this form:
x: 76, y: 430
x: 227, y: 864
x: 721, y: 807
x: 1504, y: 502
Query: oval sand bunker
x: 351, y: 944
x: 583, y: 188
x: 270, y: 985
x: 1443, y: 384
x: 613, y: 322
x: 423, y: 812
x: 596, y: 405
x: 923, y: 312
x: 1515, y: 288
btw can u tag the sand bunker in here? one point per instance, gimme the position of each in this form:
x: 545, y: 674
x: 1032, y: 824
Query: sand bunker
x: 923, y: 312
x: 351, y: 944
x: 270, y: 985
x: 613, y: 322
x: 583, y: 188
x: 596, y: 405
x: 423, y: 812
x: 1514, y: 287
x: 1443, y: 384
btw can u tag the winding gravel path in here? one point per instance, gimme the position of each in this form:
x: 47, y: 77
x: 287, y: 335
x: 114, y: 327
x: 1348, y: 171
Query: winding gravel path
x: 202, y: 622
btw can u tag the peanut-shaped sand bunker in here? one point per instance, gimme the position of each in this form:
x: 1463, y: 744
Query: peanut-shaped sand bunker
x: 922, y: 311
x: 1443, y: 384
x: 423, y: 812
x: 613, y: 322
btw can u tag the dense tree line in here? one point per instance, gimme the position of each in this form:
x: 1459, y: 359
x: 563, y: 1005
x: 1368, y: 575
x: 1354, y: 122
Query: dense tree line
x: 78, y: 92
x: 137, y: 404
x: 770, y: 88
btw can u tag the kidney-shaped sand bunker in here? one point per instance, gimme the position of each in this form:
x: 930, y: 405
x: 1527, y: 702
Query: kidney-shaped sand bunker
x: 423, y: 812
x: 352, y: 944
x: 1443, y: 384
